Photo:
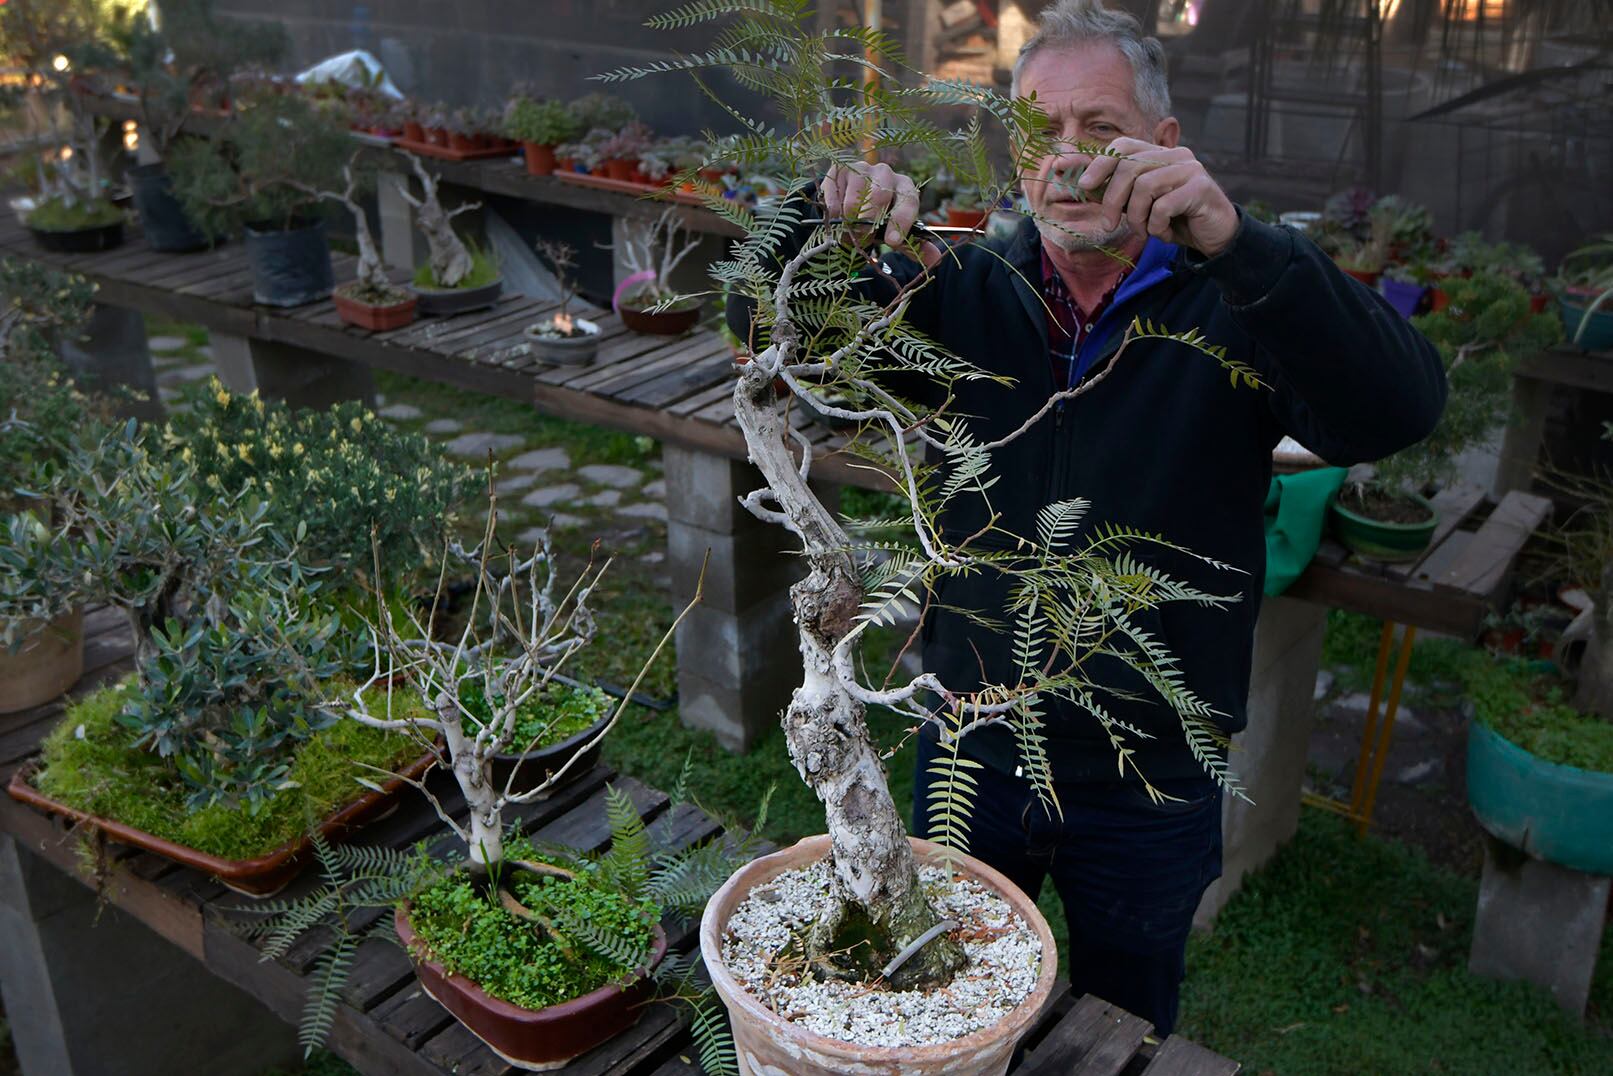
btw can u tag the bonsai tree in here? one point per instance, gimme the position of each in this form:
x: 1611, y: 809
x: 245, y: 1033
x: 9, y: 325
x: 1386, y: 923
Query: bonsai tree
x: 370, y: 284
x: 650, y: 253
x: 1074, y: 586
x: 451, y: 263
x: 264, y: 169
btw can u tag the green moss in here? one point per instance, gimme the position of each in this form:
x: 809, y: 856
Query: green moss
x: 484, y: 270
x: 57, y: 215
x: 558, y: 712
x: 512, y: 959
x: 90, y: 765
x: 1531, y: 710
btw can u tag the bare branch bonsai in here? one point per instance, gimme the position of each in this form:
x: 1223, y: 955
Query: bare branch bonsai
x: 451, y: 261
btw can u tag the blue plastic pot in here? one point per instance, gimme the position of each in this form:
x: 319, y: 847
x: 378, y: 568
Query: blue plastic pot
x: 1403, y: 296
x: 1558, y: 813
x: 1598, y: 335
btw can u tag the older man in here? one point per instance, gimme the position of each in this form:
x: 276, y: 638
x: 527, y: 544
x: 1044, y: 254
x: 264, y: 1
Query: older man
x: 1163, y: 443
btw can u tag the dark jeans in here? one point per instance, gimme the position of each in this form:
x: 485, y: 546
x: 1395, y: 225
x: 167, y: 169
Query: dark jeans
x: 1130, y: 872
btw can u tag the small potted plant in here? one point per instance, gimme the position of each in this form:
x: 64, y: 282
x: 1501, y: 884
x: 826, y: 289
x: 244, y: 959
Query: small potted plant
x: 1487, y: 324
x: 540, y: 126
x: 620, y: 152
x: 602, y: 111
x: 262, y: 174
x: 456, y: 276
x: 409, y: 113
x: 462, y: 126
x: 1585, y: 295
x: 966, y: 208
x: 1405, y: 285
x: 584, y: 155
x: 370, y: 301
x: 1362, y: 259
x: 645, y: 299
x: 434, y: 121
x: 562, y: 339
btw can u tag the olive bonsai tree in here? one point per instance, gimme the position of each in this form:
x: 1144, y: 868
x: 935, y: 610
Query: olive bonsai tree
x: 819, y: 319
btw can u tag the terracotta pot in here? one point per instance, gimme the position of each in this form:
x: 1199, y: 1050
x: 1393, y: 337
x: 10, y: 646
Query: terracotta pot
x: 1438, y: 300
x: 413, y: 131
x: 660, y: 323
x: 539, y: 159
x: 437, y: 136
x: 369, y: 316
x: 965, y: 218
x: 768, y: 1044
x: 1369, y: 278
x: 461, y: 142
x: 48, y: 664
x: 538, y: 1040
x: 261, y: 877
x: 619, y: 168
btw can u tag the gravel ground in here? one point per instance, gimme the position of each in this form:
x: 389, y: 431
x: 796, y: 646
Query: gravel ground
x: 1005, y: 957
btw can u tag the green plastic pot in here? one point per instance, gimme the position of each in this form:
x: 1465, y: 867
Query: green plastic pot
x: 1381, y: 541
x: 1558, y: 813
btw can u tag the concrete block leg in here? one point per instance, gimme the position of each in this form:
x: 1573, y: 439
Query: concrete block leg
x: 91, y: 992
x: 1269, y: 755
x: 301, y: 377
x: 109, y: 351
x: 1538, y: 922
x: 737, y: 656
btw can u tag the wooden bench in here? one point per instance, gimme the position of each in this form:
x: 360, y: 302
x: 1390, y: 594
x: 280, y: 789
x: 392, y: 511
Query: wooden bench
x: 61, y: 999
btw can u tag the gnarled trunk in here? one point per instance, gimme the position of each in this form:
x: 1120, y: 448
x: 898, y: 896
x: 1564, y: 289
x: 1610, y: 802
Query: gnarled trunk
x: 874, y: 873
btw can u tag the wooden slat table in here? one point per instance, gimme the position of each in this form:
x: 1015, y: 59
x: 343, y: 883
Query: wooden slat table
x: 1535, y: 381
x: 387, y: 1024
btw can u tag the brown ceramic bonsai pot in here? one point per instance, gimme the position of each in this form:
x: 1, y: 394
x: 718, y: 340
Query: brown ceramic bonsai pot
x: 537, y: 1040
x: 660, y: 322
x: 48, y: 664
x: 767, y: 1043
x: 263, y: 876
x: 370, y: 316
x: 535, y: 767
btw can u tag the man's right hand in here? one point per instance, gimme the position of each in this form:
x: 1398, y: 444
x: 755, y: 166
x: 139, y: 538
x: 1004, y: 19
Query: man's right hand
x: 861, y: 191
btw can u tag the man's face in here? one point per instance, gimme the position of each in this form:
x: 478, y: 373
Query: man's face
x: 1087, y: 92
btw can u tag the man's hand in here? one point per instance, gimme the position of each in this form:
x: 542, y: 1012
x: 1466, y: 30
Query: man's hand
x: 860, y: 191
x: 1164, y: 193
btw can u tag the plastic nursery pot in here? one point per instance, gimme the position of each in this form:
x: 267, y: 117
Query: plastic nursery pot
x: 564, y: 350
x: 289, y: 267
x: 1558, y: 813
x: 162, y: 218
x: 263, y: 876
x: 767, y: 1043
x: 369, y: 315
x: 1379, y: 540
x: 80, y: 240
x: 437, y: 136
x: 540, y: 160
x: 1369, y: 277
x: 660, y: 323
x: 537, y: 1040
x: 535, y: 767
x: 1403, y: 296
x: 445, y: 302
x: 620, y: 168
x: 462, y: 142
x: 965, y: 218
x: 413, y: 131
x: 49, y: 663
x: 1594, y: 333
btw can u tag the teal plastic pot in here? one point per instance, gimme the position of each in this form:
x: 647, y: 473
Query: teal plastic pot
x: 1598, y: 334
x: 1553, y: 812
x: 1376, y: 540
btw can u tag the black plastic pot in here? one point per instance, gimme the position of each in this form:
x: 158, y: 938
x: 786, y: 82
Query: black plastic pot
x: 162, y: 218
x: 536, y: 767
x: 80, y: 240
x: 445, y: 302
x: 290, y: 267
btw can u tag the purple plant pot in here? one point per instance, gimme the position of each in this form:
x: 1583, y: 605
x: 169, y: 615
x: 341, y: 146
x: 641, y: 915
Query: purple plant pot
x: 1402, y: 296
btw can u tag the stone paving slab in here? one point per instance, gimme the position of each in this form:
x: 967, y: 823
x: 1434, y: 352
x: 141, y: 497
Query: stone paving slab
x: 611, y: 474
x: 444, y: 425
x: 478, y: 445
x: 551, y: 495
x: 542, y: 459
x: 399, y: 411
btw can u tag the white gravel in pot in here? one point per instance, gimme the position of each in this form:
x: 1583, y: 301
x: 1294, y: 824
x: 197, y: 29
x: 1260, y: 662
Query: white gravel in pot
x: 1005, y: 958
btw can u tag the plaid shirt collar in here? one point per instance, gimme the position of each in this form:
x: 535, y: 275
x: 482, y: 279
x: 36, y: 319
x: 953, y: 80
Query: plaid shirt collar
x: 1067, y: 328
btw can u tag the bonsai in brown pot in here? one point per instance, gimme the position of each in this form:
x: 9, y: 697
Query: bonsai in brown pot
x: 867, y: 901
x: 646, y: 299
x: 369, y: 301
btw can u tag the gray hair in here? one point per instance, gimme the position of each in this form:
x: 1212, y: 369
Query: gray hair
x: 1076, y: 22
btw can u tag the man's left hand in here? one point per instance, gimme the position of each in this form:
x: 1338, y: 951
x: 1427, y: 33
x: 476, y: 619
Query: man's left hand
x: 1163, y: 192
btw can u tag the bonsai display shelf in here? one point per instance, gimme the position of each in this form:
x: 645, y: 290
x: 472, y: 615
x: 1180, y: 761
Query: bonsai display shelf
x: 448, y: 153
x: 386, y: 1024
x: 627, y: 186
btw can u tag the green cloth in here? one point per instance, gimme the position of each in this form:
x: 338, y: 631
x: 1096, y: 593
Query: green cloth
x: 1296, y: 509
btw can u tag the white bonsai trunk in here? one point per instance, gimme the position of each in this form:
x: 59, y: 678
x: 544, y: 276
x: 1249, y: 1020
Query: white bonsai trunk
x: 485, y: 835
x: 824, y: 724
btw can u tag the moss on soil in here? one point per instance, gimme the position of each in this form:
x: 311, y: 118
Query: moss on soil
x: 96, y: 770
x: 1531, y: 709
